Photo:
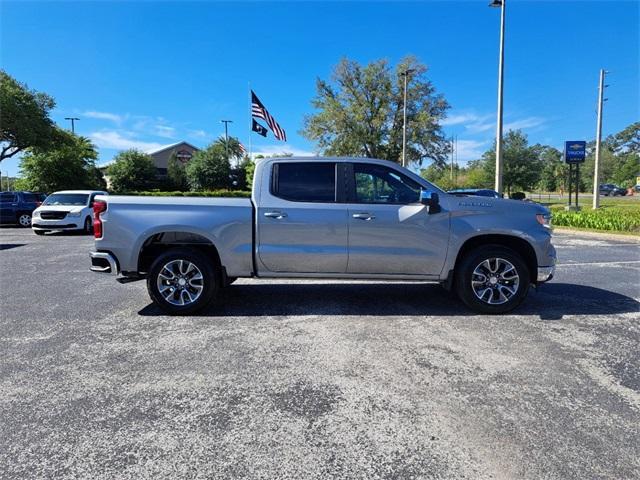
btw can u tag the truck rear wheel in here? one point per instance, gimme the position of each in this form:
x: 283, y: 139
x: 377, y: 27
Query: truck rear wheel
x: 182, y: 281
x: 492, y: 279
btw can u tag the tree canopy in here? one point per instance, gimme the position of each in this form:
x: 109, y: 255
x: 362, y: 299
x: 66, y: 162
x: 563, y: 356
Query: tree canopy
x: 360, y: 113
x: 209, y: 169
x: 132, y: 170
x: 70, y: 165
x: 24, y: 118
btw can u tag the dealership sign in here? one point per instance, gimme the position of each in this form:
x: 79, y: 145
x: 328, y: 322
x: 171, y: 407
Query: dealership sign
x: 184, y: 156
x: 575, y: 151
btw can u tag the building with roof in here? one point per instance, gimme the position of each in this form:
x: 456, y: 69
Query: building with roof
x: 183, y: 151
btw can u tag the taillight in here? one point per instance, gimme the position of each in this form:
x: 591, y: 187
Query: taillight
x: 98, y: 208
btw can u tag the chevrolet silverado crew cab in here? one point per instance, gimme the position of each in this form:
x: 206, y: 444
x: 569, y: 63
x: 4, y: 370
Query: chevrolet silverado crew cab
x: 326, y: 218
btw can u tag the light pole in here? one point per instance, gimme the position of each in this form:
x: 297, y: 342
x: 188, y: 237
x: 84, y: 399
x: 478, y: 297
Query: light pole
x: 405, y: 74
x: 73, y: 123
x: 596, y: 173
x: 498, y: 182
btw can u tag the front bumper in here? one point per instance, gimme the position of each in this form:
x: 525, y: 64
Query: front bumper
x: 103, y: 262
x: 546, y: 273
x: 64, y: 224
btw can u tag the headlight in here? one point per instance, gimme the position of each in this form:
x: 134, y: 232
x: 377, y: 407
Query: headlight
x: 544, y: 219
x: 73, y: 214
x: 36, y: 215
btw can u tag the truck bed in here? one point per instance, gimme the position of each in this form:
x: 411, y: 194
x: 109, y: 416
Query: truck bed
x: 132, y: 221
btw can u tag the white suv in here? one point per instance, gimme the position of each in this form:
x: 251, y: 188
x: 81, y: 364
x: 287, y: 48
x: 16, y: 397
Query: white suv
x: 65, y: 210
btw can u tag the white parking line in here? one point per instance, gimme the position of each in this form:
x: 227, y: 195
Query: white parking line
x: 596, y: 263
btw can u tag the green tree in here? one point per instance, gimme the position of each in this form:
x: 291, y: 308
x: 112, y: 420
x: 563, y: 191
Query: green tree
x: 24, y: 118
x: 209, y: 169
x: 176, y: 174
x: 360, y: 113
x: 235, y: 150
x: 521, y: 164
x: 554, y: 171
x: 70, y: 165
x: 132, y: 170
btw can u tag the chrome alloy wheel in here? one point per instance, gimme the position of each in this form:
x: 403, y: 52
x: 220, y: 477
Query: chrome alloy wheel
x: 495, y: 281
x: 180, y: 282
x: 24, y: 220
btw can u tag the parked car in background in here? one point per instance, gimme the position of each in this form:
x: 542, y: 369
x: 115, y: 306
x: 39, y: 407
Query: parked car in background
x: 477, y: 192
x: 17, y: 207
x: 611, y: 190
x: 66, y: 210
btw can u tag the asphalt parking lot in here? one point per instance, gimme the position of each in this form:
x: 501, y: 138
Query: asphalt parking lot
x: 317, y: 379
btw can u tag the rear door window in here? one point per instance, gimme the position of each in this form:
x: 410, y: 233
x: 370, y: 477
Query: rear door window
x: 304, y: 181
x: 7, y: 197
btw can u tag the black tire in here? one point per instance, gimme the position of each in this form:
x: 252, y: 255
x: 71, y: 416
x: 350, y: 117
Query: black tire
x: 465, y: 274
x: 39, y: 232
x: 88, y: 226
x: 24, y: 219
x: 210, y: 281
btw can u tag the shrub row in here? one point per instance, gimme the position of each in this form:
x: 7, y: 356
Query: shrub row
x: 212, y: 193
x: 612, y: 219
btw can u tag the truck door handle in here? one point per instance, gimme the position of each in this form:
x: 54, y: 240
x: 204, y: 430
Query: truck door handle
x: 363, y: 216
x: 277, y: 215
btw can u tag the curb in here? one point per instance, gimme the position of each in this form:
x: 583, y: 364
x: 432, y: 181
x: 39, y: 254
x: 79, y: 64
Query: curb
x: 603, y: 235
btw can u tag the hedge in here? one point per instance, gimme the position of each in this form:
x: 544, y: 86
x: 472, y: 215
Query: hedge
x: 610, y: 219
x: 212, y: 193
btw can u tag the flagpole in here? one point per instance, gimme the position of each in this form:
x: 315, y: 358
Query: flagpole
x: 250, y: 124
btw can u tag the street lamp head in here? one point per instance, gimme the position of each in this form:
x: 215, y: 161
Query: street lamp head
x: 408, y: 71
x: 496, y: 3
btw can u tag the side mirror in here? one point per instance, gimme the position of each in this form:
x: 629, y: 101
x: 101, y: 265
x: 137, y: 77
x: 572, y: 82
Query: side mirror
x: 431, y: 200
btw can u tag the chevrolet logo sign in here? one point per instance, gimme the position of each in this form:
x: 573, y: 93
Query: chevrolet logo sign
x: 575, y: 146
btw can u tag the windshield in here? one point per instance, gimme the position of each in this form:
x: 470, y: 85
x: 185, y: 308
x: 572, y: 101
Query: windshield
x: 67, y: 199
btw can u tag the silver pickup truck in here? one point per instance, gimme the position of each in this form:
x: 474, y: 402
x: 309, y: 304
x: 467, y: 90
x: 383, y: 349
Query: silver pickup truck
x: 326, y: 218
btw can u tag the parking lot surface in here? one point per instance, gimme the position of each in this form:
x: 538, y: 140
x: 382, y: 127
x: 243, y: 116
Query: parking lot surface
x: 317, y: 379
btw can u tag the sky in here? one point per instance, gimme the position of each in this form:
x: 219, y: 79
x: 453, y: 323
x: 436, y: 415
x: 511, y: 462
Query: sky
x: 145, y: 74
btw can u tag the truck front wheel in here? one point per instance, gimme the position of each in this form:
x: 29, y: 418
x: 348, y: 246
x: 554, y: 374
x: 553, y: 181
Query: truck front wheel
x: 492, y: 279
x: 182, y: 281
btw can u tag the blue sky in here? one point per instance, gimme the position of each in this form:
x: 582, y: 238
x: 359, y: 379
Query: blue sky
x: 144, y: 74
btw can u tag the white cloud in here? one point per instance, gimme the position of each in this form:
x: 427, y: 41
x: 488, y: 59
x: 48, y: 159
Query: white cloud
x: 472, y: 122
x: 121, y: 141
x: 529, y: 122
x: 165, y: 131
x: 113, y: 117
x: 471, y: 149
x: 277, y: 150
x: 198, y: 134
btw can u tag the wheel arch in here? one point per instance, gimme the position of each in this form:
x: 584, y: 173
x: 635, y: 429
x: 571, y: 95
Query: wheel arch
x: 160, y: 242
x: 517, y: 244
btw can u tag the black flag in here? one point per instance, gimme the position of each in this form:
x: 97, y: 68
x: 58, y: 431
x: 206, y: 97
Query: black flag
x: 258, y: 110
x: 259, y: 129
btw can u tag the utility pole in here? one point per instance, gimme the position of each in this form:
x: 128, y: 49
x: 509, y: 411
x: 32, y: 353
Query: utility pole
x: 73, y: 123
x: 405, y: 74
x: 451, y: 169
x: 596, y: 173
x: 499, y: 165
x: 226, y: 136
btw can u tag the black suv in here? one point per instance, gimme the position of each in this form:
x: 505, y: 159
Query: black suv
x: 611, y: 190
x: 17, y: 207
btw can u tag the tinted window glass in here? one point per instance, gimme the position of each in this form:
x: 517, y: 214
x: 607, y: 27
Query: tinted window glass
x: 7, y: 198
x: 378, y: 184
x: 67, y: 199
x: 29, y: 197
x: 306, y: 182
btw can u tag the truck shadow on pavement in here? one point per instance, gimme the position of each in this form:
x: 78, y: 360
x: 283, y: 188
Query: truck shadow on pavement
x: 550, y: 302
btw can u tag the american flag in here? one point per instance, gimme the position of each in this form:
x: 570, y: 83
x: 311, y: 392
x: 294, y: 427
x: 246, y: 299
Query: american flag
x: 242, y: 149
x: 258, y: 110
